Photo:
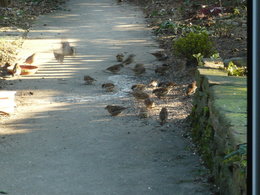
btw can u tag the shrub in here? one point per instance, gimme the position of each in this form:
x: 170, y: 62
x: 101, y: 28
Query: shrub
x: 194, y: 43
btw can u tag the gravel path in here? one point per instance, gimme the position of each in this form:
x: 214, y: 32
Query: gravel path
x: 61, y: 140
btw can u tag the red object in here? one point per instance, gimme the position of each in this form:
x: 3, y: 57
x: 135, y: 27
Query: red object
x: 28, y: 69
x: 211, y: 11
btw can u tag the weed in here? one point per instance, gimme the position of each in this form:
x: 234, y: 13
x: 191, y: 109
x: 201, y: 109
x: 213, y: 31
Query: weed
x: 233, y: 70
x: 193, y: 43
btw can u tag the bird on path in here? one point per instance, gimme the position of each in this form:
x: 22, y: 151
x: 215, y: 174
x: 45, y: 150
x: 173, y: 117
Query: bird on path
x: 140, y: 95
x: 115, y: 68
x: 138, y: 87
x: 115, y: 110
x: 191, y: 88
x: 167, y: 84
x: 129, y: 59
x: 143, y: 113
x: 139, y: 69
x: 153, y: 83
x: 161, y: 91
x: 160, y: 55
x: 163, y: 115
x: 88, y: 80
x: 17, y: 70
x: 162, y: 70
x: 109, y: 87
x: 67, y: 50
x: 120, y: 57
x: 30, y: 59
x: 58, y: 56
x: 4, y: 70
x: 149, y: 103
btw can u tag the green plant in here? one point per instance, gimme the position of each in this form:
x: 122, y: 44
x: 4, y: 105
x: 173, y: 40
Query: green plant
x: 193, y: 43
x: 236, y: 11
x: 167, y: 25
x: 242, y: 150
x: 238, y: 157
x: 233, y: 70
x: 199, y: 58
x: 215, y: 56
x: 182, y: 29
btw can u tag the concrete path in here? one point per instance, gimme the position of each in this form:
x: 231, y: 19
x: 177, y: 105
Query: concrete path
x: 61, y: 140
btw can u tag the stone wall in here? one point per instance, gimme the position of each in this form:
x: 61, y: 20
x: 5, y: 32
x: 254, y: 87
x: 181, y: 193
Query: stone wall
x: 219, y: 125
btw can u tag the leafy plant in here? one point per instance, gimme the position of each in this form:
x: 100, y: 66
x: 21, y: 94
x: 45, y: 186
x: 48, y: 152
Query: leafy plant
x: 215, y: 56
x: 199, y: 58
x: 233, y: 70
x: 242, y: 150
x: 182, y: 29
x: 236, y: 11
x: 193, y: 43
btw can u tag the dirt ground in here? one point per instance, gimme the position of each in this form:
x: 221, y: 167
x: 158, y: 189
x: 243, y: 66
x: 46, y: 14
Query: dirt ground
x: 232, y: 43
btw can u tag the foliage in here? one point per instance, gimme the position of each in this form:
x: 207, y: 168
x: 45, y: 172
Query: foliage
x: 215, y: 56
x: 233, y: 70
x: 194, y: 43
x: 177, y: 28
x: 199, y: 58
x: 242, y: 150
x: 236, y: 11
x: 238, y: 157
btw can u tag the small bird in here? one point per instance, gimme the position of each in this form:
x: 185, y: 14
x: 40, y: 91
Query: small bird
x: 139, y: 69
x: 166, y: 84
x: 162, y: 70
x: 161, y: 91
x: 149, y: 103
x: 143, y: 113
x: 115, y: 110
x: 163, y: 115
x: 6, y: 65
x: 160, y: 55
x: 109, y: 87
x: 4, y: 70
x: 67, y: 50
x: 153, y: 83
x: 129, y: 59
x: 30, y: 59
x: 120, y: 57
x: 88, y: 80
x: 140, y: 95
x: 115, y: 68
x: 191, y: 88
x: 58, y: 56
x: 138, y: 87
x: 17, y: 70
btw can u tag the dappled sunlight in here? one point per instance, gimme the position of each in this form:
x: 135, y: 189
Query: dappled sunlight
x: 59, y: 87
x: 129, y: 27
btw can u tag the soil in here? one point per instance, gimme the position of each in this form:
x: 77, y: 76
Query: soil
x: 21, y: 14
x: 231, y: 44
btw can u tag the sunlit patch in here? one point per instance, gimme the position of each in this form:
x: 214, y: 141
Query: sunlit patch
x: 123, y: 84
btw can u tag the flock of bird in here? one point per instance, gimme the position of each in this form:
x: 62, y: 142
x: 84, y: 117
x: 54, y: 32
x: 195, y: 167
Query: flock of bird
x: 159, y: 89
x: 65, y: 50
